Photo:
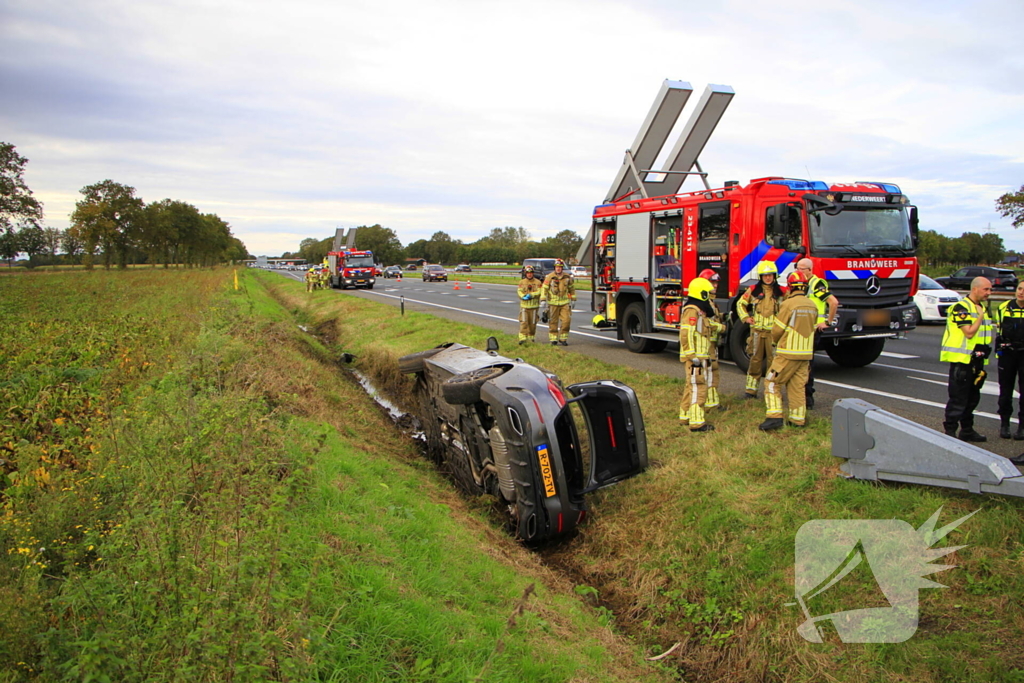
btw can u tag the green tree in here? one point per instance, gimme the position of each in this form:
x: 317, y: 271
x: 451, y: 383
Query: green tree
x: 32, y: 241
x: 18, y: 208
x: 441, y: 248
x: 564, y: 245
x: 1011, y: 205
x: 51, y: 240
x: 9, y: 246
x: 71, y: 245
x: 109, y: 217
x: 383, y: 242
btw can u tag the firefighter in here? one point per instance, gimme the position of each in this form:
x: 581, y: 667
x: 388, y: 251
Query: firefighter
x: 757, y: 307
x: 559, y: 292
x: 310, y: 280
x: 966, y: 344
x: 529, y: 302
x: 793, y: 334
x: 827, y: 305
x: 1009, y: 321
x: 717, y: 328
x: 695, y: 330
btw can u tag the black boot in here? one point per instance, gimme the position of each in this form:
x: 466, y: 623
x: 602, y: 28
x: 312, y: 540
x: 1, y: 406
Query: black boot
x: 706, y: 427
x: 770, y: 424
x: 972, y: 436
x: 1004, y: 428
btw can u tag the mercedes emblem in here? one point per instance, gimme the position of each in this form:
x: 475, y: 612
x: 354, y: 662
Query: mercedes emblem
x: 873, y: 286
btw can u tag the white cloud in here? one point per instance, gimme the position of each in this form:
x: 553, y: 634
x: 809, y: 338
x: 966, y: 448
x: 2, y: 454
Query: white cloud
x: 290, y: 119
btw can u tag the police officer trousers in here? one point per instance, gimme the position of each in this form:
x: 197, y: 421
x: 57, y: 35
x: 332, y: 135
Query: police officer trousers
x: 964, y: 395
x: 1011, y: 376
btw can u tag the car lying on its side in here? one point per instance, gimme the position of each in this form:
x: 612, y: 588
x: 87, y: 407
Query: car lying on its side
x: 509, y: 429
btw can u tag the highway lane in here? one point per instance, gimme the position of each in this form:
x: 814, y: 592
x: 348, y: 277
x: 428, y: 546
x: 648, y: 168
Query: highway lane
x: 908, y: 379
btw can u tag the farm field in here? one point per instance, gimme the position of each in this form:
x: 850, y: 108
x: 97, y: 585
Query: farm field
x: 192, y: 485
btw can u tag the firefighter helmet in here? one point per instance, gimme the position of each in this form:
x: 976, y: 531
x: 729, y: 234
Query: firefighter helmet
x: 599, y: 321
x: 709, y: 275
x: 797, y: 280
x: 527, y: 269
x: 767, y: 268
x: 559, y: 262
x: 700, y: 289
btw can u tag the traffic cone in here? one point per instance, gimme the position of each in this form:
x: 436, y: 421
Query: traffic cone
x: 469, y: 285
x: 399, y: 276
x: 456, y: 285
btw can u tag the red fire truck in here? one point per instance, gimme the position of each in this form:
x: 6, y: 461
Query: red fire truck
x: 350, y: 268
x: 861, y: 236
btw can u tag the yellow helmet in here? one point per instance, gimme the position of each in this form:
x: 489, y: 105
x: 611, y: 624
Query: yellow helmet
x: 700, y: 289
x: 767, y: 268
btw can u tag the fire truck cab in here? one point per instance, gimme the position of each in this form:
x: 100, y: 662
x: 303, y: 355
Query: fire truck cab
x: 351, y: 268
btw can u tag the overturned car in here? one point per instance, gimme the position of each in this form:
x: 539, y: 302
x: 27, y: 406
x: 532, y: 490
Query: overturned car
x: 507, y: 428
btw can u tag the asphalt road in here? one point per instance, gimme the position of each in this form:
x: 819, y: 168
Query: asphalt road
x: 907, y: 379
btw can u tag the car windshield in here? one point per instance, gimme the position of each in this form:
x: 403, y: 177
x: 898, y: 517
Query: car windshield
x: 360, y: 262
x: 925, y: 282
x: 860, y: 228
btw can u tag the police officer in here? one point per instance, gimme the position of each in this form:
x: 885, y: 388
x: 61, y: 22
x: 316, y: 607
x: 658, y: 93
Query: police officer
x: 793, y: 332
x: 827, y: 305
x: 1009, y: 320
x: 717, y: 328
x: 529, y: 302
x: 559, y: 291
x: 695, y: 352
x: 966, y: 344
x: 757, y: 307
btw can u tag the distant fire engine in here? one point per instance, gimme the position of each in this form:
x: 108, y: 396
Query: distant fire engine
x: 352, y: 268
x: 648, y: 241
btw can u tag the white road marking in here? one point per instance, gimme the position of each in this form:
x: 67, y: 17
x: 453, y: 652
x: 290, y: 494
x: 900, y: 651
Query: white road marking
x: 901, y: 356
x: 483, y: 298
x: 508, y: 302
x: 900, y: 397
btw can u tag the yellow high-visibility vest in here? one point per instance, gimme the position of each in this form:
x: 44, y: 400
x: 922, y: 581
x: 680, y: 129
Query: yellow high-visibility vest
x: 956, y: 347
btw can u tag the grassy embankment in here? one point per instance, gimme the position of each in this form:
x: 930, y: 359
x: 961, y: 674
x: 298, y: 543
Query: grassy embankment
x: 264, y: 526
x: 700, y: 550
x: 191, y: 489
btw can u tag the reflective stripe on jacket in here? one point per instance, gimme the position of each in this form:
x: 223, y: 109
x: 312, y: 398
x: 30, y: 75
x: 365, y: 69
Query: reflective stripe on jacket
x: 531, y: 286
x: 794, y: 326
x: 694, y: 334
x: 817, y: 292
x: 1009, y: 319
x: 956, y: 347
x: 558, y: 289
x: 765, y: 308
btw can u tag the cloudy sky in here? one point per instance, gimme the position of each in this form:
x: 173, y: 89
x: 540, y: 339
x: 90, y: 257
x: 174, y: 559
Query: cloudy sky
x: 289, y: 119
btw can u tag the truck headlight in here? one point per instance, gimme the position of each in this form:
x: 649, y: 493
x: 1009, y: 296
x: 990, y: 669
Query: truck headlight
x: 909, y: 315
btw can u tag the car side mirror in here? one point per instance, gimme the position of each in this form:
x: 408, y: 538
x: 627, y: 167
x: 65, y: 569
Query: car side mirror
x: 492, y: 345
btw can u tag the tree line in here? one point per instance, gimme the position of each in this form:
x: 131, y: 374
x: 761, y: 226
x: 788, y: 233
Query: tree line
x: 501, y: 245
x: 970, y: 248
x: 110, y: 224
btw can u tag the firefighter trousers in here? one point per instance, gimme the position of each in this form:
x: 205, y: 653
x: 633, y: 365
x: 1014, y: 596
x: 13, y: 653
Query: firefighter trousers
x: 1011, y: 376
x: 695, y: 394
x: 527, y: 323
x: 964, y: 394
x: 791, y: 374
x: 712, y: 380
x: 558, y: 322
x: 761, y: 351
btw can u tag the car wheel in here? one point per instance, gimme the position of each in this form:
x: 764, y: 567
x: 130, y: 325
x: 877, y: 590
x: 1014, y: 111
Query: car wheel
x: 414, y: 362
x: 738, y: 344
x: 855, y: 353
x: 464, y: 389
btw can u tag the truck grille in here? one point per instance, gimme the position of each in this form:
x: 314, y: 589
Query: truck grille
x: 853, y: 293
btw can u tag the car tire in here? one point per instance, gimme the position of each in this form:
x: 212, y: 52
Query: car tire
x: 464, y: 389
x: 415, y: 362
x: 633, y: 322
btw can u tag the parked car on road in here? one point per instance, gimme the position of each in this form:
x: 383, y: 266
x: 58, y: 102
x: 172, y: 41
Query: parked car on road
x: 411, y: 266
x: 541, y: 267
x: 933, y: 300
x: 578, y: 271
x: 1001, y: 278
x: 434, y: 273
x: 463, y: 268
x: 509, y: 429
x: 393, y: 271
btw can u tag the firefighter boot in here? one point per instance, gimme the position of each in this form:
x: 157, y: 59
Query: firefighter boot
x: 1004, y: 428
x: 1019, y: 434
x: 972, y: 436
x: 771, y: 424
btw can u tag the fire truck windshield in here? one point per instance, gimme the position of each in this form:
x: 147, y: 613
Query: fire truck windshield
x: 861, y: 228
x: 359, y: 261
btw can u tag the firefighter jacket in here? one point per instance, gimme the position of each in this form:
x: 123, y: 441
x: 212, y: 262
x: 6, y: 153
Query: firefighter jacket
x: 695, y: 330
x: 558, y: 290
x: 956, y: 347
x: 716, y: 324
x: 530, y: 287
x: 794, y: 326
x: 817, y: 292
x: 764, y: 307
x: 1009, y: 320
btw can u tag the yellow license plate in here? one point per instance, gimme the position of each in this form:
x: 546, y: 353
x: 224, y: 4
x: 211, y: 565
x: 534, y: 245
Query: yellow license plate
x: 545, y: 471
x: 875, y: 318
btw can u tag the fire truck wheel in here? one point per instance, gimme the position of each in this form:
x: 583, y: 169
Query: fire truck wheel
x: 464, y: 389
x: 855, y: 353
x: 738, y: 344
x: 632, y: 325
x: 414, y: 362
